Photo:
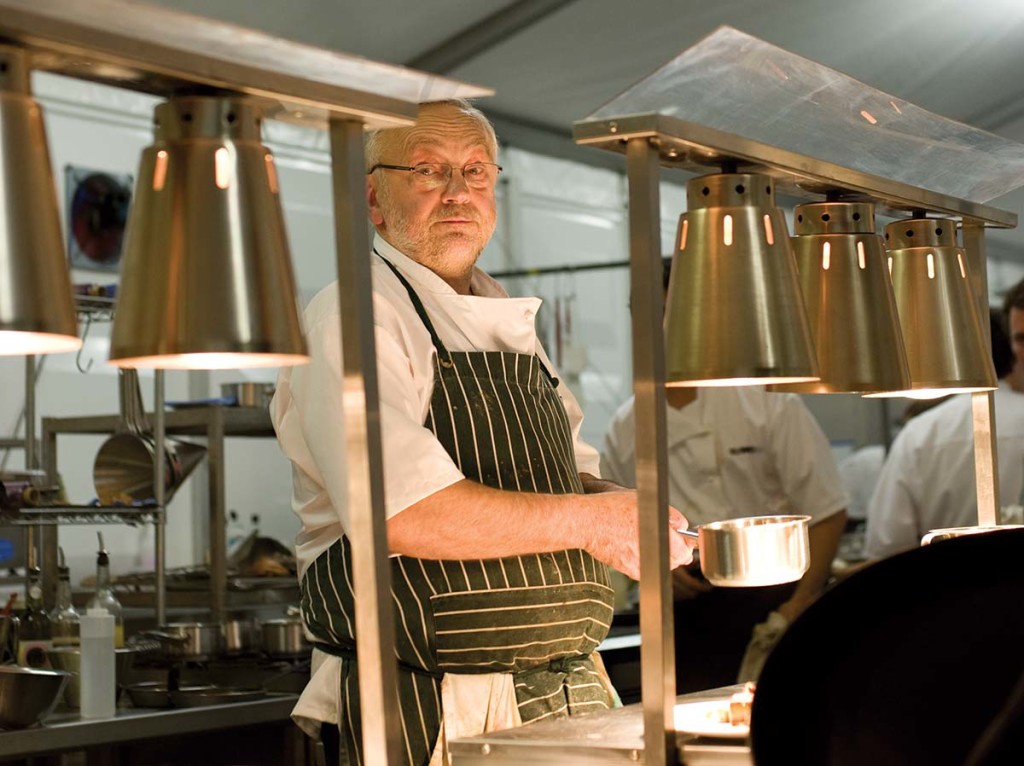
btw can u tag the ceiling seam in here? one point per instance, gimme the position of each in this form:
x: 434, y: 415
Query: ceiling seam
x: 485, y: 34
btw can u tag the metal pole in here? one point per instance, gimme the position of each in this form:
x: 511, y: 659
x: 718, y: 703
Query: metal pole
x: 657, y: 648
x: 159, y: 487
x: 218, y: 499
x: 983, y: 406
x: 30, y: 413
x: 375, y: 634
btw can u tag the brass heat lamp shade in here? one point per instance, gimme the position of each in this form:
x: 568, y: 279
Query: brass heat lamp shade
x: 734, y: 313
x: 943, y: 335
x: 37, y: 315
x: 207, y: 279
x: 848, y: 294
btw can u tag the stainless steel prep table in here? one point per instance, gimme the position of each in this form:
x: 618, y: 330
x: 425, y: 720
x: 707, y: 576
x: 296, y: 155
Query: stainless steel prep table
x: 614, y: 736
x: 69, y: 731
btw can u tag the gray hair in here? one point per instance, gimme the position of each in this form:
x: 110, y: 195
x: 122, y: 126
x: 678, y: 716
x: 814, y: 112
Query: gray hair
x: 379, y: 142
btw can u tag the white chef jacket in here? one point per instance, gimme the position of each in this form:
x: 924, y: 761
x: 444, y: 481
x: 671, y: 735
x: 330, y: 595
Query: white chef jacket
x: 927, y: 481
x: 308, y: 414
x: 736, y: 452
x: 860, y: 472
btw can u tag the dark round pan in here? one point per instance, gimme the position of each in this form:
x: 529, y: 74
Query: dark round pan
x: 905, y: 662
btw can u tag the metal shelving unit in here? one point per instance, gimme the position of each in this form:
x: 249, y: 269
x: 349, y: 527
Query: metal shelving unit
x: 215, y: 423
x: 80, y: 514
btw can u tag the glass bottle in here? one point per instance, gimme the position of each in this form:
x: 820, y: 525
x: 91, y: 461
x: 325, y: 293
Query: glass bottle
x: 34, y: 635
x: 104, y: 597
x: 64, y: 617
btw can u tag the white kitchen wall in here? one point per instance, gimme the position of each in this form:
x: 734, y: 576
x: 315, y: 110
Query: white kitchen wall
x: 552, y: 213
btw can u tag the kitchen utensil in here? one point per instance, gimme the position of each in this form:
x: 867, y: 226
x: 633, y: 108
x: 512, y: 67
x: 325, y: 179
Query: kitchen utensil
x: 259, y: 556
x: 155, y: 694
x: 753, y: 551
x: 241, y: 636
x: 248, y: 394
x: 951, y: 533
x: 69, y: 659
x: 198, y: 641
x: 196, y: 697
x: 905, y: 661
x: 123, y: 469
x: 28, y: 695
x: 283, y: 638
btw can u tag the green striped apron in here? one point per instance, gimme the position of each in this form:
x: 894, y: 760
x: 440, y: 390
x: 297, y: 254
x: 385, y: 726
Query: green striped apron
x: 537, y: 616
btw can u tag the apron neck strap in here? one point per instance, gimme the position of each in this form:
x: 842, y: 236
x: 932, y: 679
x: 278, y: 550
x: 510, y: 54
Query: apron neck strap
x: 443, y: 354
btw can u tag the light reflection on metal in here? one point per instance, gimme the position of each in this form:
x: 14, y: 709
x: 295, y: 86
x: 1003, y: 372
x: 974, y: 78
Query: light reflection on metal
x: 942, y: 333
x: 848, y: 295
x: 734, y: 315
x: 37, y: 315
x: 207, y: 278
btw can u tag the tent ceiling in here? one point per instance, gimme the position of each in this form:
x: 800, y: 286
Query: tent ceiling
x: 553, y: 62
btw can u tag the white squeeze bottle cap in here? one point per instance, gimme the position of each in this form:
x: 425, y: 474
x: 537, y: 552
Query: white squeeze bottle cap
x: 98, y: 672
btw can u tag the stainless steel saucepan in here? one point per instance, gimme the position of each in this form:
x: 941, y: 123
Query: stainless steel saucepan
x: 754, y: 551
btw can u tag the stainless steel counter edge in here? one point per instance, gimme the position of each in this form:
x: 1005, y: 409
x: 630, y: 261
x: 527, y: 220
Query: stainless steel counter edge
x: 71, y: 732
x: 611, y: 736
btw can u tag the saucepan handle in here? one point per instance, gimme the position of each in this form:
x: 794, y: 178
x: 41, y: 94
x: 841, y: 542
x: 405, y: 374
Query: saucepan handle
x: 689, y: 533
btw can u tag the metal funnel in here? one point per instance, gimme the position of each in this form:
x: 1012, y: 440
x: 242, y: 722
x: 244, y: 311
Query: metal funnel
x: 124, y: 465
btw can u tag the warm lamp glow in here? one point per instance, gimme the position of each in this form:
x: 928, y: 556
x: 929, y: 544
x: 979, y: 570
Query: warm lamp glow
x: 229, y: 361
x: 14, y: 343
x: 724, y: 382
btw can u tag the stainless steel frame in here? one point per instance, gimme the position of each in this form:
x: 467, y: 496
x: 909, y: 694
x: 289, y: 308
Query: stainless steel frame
x: 649, y: 140
x: 156, y: 50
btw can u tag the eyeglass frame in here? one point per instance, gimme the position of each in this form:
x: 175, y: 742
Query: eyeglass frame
x: 451, y: 169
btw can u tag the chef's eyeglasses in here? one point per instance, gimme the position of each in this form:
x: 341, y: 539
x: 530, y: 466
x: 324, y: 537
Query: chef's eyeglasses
x: 437, y: 175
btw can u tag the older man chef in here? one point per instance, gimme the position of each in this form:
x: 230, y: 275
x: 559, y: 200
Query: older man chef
x: 500, y: 532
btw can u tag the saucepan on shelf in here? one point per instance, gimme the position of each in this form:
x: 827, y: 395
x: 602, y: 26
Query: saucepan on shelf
x: 754, y: 551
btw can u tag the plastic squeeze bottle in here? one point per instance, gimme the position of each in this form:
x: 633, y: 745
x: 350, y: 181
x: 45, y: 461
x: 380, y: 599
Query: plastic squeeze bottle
x: 104, y: 596
x: 98, y: 673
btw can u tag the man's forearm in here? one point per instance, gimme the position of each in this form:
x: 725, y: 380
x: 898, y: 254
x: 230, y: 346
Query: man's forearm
x: 468, y: 520
x: 824, y: 541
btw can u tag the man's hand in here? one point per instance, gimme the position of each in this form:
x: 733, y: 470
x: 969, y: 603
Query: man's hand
x: 612, y: 534
x: 686, y: 585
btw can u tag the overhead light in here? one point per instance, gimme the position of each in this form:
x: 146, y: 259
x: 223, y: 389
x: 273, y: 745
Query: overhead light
x: 848, y: 294
x: 734, y: 313
x: 206, y: 280
x: 942, y: 333
x: 37, y: 315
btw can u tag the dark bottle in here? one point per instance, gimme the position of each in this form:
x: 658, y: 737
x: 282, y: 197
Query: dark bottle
x: 64, y: 617
x: 34, y: 633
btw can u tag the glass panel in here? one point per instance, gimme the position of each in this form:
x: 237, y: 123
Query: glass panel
x: 733, y: 82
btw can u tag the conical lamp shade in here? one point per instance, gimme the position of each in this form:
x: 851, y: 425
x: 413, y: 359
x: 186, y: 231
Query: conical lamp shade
x: 207, y: 279
x: 37, y: 315
x: 734, y: 313
x: 943, y: 336
x: 847, y: 291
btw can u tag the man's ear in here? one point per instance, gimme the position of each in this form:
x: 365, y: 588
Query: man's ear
x: 376, y: 216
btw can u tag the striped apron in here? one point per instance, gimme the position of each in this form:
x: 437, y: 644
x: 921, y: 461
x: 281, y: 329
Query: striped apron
x: 538, y: 617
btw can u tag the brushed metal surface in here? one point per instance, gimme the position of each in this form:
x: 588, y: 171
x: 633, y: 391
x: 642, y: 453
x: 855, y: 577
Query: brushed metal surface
x: 158, y: 50
x: 36, y: 311
x: 699, y: 148
x: 942, y: 331
x: 755, y: 551
x: 847, y: 291
x: 735, y: 313
x: 207, y: 279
